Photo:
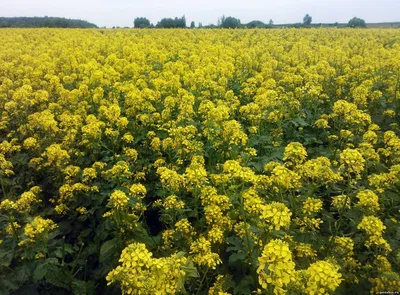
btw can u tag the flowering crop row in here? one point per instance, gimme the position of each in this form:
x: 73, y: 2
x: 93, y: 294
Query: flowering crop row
x: 199, y: 161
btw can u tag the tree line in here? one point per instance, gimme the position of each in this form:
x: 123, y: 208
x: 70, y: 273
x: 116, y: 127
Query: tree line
x: 177, y: 22
x: 232, y: 22
x: 43, y: 22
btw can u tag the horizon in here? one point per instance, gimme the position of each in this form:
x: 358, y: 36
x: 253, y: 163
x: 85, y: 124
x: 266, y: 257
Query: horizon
x: 121, y: 13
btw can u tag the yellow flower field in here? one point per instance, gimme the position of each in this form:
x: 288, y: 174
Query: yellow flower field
x: 199, y: 161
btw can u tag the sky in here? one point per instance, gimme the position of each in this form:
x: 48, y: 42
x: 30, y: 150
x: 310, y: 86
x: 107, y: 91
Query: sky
x: 121, y: 13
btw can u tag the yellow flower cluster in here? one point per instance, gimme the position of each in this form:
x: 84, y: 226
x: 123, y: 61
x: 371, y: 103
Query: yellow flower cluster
x: 323, y: 277
x: 235, y: 171
x: 138, y: 191
x: 184, y: 226
x: 195, y: 174
x: 374, y: 229
x: 202, y: 254
x: 119, y: 199
x: 37, y: 229
x: 172, y: 202
x: 5, y: 166
x: 171, y: 179
x: 319, y: 171
x: 305, y: 250
x: 216, y: 208
x: 388, y: 281
x: 312, y: 205
x: 369, y: 200
x: 277, y: 215
x: 295, y: 153
x: 344, y: 246
x: 308, y: 223
x: 25, y: 201
x: 352, y: 163
x: 276, y: 267
x: 283, y: 178
x: 219, y: 286
x: 140, y: 273
x: 119, y: 170
x: 341, y: 202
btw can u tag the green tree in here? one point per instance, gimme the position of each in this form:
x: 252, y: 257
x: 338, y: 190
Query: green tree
x: 356, y: 22
x: 192, y: 25
x: 180, y: 22
x: 230, y: 22
x: 172, y: 23
x: 256, y: 24
x: 271, y: 23
x: 166, y: 23
x: 220, y: 20
x: 307, y: 20
x: 43, y: 22
x: 141, y: 22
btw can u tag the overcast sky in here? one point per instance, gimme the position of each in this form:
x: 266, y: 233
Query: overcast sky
x: 122, y: 12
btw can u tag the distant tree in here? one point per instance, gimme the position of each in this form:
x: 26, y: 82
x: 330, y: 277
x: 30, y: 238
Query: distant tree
x: 230, y: 22
x: 296, y: 25
x: 356, y: 22
x: 271, y: 23
x: 307, y: 20
x: 192, y: 25
x: 220, y: 21
x: 180, y: 22
x: 172, y: 23
x: 200, y: 25
x: 166, y: 23
x: 141, y: 22
x: 43, y: 22
x: 255, y: 24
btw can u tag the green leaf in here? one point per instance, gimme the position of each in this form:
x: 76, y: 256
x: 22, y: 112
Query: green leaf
x: 79, y: 287
x: 58, y: 253
x: 244, y: 286
x: 41, y: 270
x: 299, y: 122
x: 57, y: 277
x: 237, y: 257
x: 8, y: 285
x: 190, y: 269
x: 5, y: 258
x: 235, y: 242
x: 108, y: 249
x: 278, y: 233
x: 22, y: 273
x: 4, y: 218
x: 141, y: 235
x: 259, y: 166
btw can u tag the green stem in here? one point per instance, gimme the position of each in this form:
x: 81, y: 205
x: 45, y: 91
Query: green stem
x: 247, y: 232
x: 3, y: 190
x: 339, y: 222
x: 202, y: 281
x: 76, y: 262
x: 196, y: 205
x: 12, y: 225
